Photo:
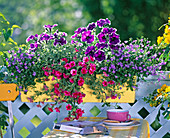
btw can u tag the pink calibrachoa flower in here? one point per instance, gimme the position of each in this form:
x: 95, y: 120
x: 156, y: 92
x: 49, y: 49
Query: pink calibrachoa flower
x: 67, y: 66
x: 113, y: 97
x: 66, y: 93
x: 85, y: 59
x: 46, y: 73
x: 65, y: 76
x: 105, y: 74
x: 38, y: 105
x: 105, y: 83
x: 57, y: 92
x: 76, y: 50
x: 57, y: 109
x: 80, y: 100
x: 92, y: 67
x: 72, y: 63
x: 79, y: 112
x: 75, y: 94
x: 58, y: 74
x: 91, y: 72
x: 111, y: 82
x: 81, y: 82
x: 50, y: 109
x: 68, y: 107
x: 56, y: 85
x: 71, y: 80
x: 64, y: 59
x: 73, y: 72
x: 91, y: 58
x: 84, y: 71
x: 68, y: 118
x: 80, y: 64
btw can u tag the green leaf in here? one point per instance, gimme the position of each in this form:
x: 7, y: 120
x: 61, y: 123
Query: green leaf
x: 2, y: 16
x: 6, y: 34
x: 16, y: 26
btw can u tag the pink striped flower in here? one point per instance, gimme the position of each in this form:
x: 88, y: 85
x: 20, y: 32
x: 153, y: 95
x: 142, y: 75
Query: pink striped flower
x: 85, y: 59
x: 73, y: 72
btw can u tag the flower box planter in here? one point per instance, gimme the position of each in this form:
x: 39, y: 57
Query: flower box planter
x: 127, y: 97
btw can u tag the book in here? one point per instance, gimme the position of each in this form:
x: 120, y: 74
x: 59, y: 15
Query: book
x: 81, y: 127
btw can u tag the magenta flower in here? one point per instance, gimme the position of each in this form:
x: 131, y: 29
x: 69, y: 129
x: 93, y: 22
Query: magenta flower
x: 66, y: 93
x: 72, y: 64
x: 92, y: 67
x: 85, y: 59
x: 57, y: 73
x: 57, y: 109
x: 46, y: 73
x: 84, y: 71
x: 68, y: 107
x: 67, y: 66
x: 56, y: 85
x: 111, y: 82
x: 71, y: 80
x: 105, y: 83
x: 65, y: 76
x: 50, y: 109
x: 73, y: 72
x: 81, y: 82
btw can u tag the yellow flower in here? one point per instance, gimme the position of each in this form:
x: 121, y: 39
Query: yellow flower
x: 167, y: 29
x: 1, y: 81
x: 158, y: 90
x: 167, y: 38
x: 159, y: 39
x: 165, y: 95
x: 164, y: 86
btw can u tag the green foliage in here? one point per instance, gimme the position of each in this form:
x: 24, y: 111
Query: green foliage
x: 6, y: 41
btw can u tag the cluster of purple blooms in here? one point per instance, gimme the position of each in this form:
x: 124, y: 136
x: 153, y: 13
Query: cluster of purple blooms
x: 57, y: 38
x: 22, y: 63
x: 97, y: 44
x: 134, y: 59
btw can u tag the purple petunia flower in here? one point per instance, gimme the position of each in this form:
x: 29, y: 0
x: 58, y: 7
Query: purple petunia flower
x: 91, y: 26
x: 99, y: 55
x: 102, y: 38
x: 90, y: 51
x: 103, y: 22
x: 114, y: 39
x: 101, y: 46
x: 87, y: 37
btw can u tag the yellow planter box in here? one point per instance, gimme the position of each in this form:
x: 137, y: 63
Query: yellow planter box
x: 127, y: 97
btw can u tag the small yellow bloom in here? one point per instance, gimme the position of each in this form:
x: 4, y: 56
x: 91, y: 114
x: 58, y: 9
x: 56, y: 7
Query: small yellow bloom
x: 165, y: 95
x: 167, y: 29
x: 1, y: 81
x: 164, y: 86
x: 158, y: 90
x: 159, y: 39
